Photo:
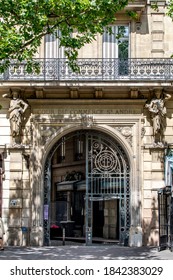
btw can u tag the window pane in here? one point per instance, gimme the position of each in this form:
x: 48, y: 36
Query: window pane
x: 123, y: 49
x: 123, y: 31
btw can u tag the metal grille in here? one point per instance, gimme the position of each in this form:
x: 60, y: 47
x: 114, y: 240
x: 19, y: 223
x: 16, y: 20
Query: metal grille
x: 107, y: 69
x: 107, y: 178
x: 107, y: 168
x: 165, y: 205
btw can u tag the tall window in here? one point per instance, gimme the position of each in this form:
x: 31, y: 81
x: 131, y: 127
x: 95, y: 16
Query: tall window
x: 52, y: 46
x: 116, y: 43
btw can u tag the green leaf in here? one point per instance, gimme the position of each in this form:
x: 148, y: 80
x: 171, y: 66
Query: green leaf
x: 24, y: 23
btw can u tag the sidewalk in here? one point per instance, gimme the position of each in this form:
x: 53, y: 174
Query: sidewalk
x: 75, y: 252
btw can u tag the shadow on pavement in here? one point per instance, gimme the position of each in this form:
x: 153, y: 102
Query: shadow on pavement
x: 84, y: 253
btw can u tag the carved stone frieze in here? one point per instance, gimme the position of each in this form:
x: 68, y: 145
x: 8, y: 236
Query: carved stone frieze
x: 87, y: 120
x: 46, y: 132
x: 126, y: 131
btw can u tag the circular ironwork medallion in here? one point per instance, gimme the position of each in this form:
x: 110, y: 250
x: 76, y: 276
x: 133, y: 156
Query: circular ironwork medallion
x: 106, y: 161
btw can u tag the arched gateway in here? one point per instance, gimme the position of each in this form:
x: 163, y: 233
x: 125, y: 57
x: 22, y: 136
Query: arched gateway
x: 87, y: 187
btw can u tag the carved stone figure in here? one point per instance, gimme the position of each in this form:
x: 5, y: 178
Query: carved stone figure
x: 157, y: 110
x: 16, y: 112
x: 87, y: 120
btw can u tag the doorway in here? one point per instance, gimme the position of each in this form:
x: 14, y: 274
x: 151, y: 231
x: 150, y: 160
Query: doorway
x: 87, y: 188
x: 106, y: 219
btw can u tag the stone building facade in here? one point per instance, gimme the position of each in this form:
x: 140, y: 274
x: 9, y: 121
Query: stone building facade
x: 87, y: 150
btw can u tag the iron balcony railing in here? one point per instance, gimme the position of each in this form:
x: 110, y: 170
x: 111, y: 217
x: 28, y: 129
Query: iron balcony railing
x: 93, y: 70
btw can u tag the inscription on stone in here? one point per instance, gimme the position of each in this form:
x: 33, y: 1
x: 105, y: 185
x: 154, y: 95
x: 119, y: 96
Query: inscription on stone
x: 87, y: 111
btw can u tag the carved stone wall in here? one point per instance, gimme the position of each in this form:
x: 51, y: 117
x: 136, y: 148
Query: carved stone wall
x: 45, y: 127
x: 115, y: 107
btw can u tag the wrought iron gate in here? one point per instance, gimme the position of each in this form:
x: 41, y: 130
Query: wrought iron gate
x: 165, y: 205
x: 107, y: 177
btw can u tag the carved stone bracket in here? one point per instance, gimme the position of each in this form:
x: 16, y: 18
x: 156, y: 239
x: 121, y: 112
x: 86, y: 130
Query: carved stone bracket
x: 74, y: 93
x: 134, y: 92
x: 99, y: 93
x: 39, y: 93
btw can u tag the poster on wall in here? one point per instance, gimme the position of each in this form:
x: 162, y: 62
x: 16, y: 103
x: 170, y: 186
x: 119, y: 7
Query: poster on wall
x: 46, y: 211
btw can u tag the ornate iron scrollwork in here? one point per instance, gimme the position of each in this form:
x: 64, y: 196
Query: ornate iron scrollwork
x: 107, y: 177
x: 94, y: 69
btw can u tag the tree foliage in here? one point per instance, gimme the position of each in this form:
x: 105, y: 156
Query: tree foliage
x: 24, y: 23
x: 170, y: 8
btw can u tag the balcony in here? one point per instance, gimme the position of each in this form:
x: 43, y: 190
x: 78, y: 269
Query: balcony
x: 93, y: 70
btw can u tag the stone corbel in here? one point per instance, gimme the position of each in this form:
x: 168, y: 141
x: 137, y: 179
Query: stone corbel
x: 39, y: 93
x: 99, y: 93
x: 74, y: 93
x: 134, y: 93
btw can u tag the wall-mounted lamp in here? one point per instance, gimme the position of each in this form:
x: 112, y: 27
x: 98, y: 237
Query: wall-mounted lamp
x: 79, y: 148
x: 62, y: 149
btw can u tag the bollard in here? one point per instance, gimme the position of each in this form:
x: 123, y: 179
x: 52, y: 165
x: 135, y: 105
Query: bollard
x: 63, y: 236
x: 24, y: 236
